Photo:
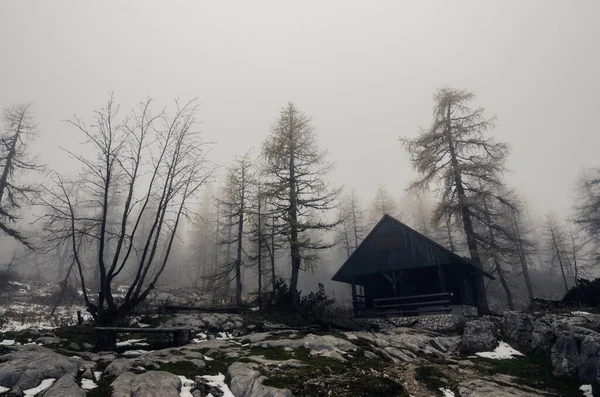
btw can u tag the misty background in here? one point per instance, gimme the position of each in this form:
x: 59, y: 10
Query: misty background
x: 364, y: 72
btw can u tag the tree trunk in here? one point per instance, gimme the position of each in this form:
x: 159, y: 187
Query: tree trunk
x: 560, y: 262
x: 500, y: 272
x: 450, y: 240
x: 272, y: 254
x: 346, y: 240
x: 240, y: 236
x: 482, y: 305
x: 354, y: 222
x: 293, y: 214
x: 523, y: 260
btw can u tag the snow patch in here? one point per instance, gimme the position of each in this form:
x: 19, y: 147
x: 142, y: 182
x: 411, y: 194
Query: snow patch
x: 208, y: 358
x: 186, y: 386
x: 224, y: 336
x: 4, y: 389
x: 8, y: 342
x: 131, y: 342
x: 134, y: 353
x: 88, y: 384
x: 586, y: 390
x: 578, y: 313
x: 218, y: 381
x: 46, y: 383
x: 20, y: 284
x: 502, y: 352
x: 447, y: 392
x: 97, y: 375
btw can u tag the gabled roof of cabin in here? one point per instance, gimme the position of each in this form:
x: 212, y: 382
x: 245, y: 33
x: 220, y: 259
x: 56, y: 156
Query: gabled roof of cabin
x: 392, y: 245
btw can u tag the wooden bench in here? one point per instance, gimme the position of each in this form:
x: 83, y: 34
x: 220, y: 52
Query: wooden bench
x: 412, y: 305
x: 107, y: 336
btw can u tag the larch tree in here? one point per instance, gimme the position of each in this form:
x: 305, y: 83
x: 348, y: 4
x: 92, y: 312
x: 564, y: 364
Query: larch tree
x: 158, y: 163
x: 557, y: 249
x: 456, y: 158
x: 236, y: 203
x: 260, y: 246
x: 16, y: 162
x: 295, y: 179
x: 524, y: 245
x: 587, y: 207
x: 382, y: 204
x: 352, y: 228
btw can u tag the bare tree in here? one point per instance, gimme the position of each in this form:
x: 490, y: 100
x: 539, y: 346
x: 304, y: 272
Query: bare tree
x: 159, y: 163
x: 352, y: 228
x: 524, y: 246
x: 295, y: 171
x: 236, y: 203
x: 259, y: 237
x: 382, y: 204
x: 455, y: 157
x: 557, y: 248
x: 15, y: 163
x: 587, y: 207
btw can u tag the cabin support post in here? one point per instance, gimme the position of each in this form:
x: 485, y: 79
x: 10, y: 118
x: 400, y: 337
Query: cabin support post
x: 394, y: 278
x: 441, y: 277
x: 354, y: 302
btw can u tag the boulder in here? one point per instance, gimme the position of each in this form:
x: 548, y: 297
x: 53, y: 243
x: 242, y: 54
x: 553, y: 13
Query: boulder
x: 319, y: 345
x: 517, y: 329
x: 148, y: 384
x: 407, y: 344
x: 118, y: 367
x: 247, y: 381
x: 64, y: 387
x: 48, y: 340
x: 74, y: 346
x: 484, y: 388
x: 26, y: 366
x: 479, y: 335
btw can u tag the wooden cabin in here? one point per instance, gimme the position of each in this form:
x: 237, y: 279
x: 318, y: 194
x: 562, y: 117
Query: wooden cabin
x: 397, y: 271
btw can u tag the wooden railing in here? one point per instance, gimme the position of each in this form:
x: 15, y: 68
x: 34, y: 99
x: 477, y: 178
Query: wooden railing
x: 412, y: 305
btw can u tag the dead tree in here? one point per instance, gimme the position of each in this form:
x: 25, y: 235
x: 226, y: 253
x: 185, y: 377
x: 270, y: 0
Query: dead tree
x: 259, y: 238
x: 454, y: 156
x: 557, y: 248
x: 158, y: 163
x: 587, y: 206
x: 352, y: 228
x: 295, y: 171
x: 236, y: 203
x: 16, y: 161
x: 382, y: 204
x: 524, y: 247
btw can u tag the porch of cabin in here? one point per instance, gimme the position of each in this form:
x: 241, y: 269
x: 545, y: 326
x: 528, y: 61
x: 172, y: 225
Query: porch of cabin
x: 412, y: 292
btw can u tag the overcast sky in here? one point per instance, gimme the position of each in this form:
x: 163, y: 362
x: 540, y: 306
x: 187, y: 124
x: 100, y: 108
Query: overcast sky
x: 365, y: 71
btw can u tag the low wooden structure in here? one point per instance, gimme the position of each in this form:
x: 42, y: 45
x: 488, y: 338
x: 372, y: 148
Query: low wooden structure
x: 397, y: 271
x: 106, y: 337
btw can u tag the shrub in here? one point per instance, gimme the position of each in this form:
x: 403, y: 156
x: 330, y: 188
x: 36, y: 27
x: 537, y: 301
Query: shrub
x: 311, y: 307
x: 6, y: 276
x: 585, y: 293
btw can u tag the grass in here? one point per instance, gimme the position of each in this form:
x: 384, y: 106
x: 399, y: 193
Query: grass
x: 358, y: 377
x: 434, y: 379
x: 530, y: 371
x: 184, y: 368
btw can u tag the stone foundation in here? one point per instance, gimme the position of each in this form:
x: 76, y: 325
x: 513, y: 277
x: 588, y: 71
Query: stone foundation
x: 441, y: 323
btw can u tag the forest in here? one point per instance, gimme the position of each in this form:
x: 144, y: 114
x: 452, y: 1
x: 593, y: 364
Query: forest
x: 148, y: 206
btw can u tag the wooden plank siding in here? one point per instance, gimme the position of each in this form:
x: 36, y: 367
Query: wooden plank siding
x: 393, y: 246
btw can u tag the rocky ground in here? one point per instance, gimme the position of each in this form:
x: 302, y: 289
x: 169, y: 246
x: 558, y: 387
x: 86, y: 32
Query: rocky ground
x: 247, y: 356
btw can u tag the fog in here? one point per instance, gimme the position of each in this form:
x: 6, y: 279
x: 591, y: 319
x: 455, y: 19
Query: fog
x: 365, y: 72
